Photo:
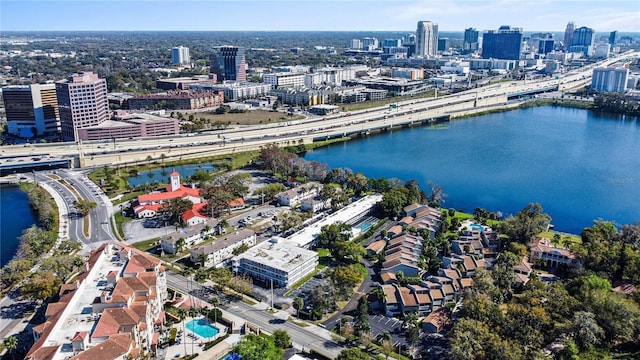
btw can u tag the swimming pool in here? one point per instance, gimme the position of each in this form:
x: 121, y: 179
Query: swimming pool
x: 368, y: 222
x: 202, y: 328
x: 476, y: 227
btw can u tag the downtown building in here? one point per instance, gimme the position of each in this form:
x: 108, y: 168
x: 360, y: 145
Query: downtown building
x: 180, y: 55
x: 31, y: 110
x: 610, y: 79
x: 426, y: 39
x: 582, y: 41
x: 505, y: 43
x: 470, y: 43
x: 228, y: 63
x: 82, y: 101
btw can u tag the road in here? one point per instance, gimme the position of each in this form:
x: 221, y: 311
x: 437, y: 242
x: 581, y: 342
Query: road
x: 97, y: 153
x: 307, y: 338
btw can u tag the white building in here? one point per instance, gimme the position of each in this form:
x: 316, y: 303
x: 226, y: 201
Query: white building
x: 180, y: 55
x: 601, y: 51
x: 222, y: 249
x: 427, y: 39
x: 296, y: 195
x: 610, y: 79
x: 356, y: 44
x: 276, y: 261
x: 286, y: 79
x: 234, y: 90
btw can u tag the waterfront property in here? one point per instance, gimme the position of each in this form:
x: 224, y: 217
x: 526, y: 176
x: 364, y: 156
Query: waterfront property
x: 213, y: 253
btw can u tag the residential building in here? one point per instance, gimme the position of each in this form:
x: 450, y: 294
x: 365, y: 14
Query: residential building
x: 276, y: 262
x: 492, y: 64
x: 568, y: 35
x: 180, y: 55
x: 288, y: 79
x: 229, y: 63
x: 191, y: 236
x: 215, y: 252
x: 237, y: 90
x: 583, y: 40
x: 542, y: 252
x: 294, y: 196
x: 356, y: 44
x: 407, y: 73
x: 31, y: 110
x: 315, y: 204
x: 370, y: 43
x: 82, y: 101
x: 427, y: 39
x: 177, y: 100
x: 114, y: 308
x: 505, y: 43
x: 601, y: 51
x: 610, y: 79
x: 436, y: 321
x: 470, y: 43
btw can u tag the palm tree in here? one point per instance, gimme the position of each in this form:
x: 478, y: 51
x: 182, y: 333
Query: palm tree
x: 215, y: 302
x: 11, y: 343
x: 182, y: 314
x: 162, y: 157
x: 298, y: 304
x: 180, y: 245
x: 149, y: 158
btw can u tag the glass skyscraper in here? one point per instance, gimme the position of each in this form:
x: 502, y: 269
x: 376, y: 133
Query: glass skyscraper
x: 506, y: 43
x: 228, y: 63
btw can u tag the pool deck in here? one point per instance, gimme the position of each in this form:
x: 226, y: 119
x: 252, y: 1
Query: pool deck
x: 189, y: 345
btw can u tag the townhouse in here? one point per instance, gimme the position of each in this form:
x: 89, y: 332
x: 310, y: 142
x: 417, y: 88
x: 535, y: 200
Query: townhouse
x: 215, y: 252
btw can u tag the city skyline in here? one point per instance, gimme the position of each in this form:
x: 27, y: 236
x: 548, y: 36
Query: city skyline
x: 293, y: 15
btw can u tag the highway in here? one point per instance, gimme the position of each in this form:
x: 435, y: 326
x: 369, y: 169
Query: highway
x: 307, y: 338
x: 120, y: 151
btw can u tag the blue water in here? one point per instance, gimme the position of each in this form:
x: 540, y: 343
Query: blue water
x: 476, y: 227
x: 202, y: 328
x: 580, y: 165
x: 15, y: 216
x: 162, y: 175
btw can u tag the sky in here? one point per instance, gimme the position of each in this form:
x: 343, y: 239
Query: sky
x: 313, y: 15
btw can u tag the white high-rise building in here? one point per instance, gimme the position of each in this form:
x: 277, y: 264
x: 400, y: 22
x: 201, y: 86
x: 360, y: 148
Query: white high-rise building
x: 427, y: 39
x: 180, y: 55
x: 610, y: 79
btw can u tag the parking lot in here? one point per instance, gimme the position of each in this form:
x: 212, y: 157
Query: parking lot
x: 381, y: 323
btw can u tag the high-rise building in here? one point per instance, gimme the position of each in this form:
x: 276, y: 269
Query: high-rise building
x: 180, y: 55
x: 505, y: 43
x: 356, y: 44
x: 391, y: 43
x: 471, y: 42
x: 612, y: 38
x: 82, y: 99
x: 582, y: 41
x: 568, y: 34
x: 443, y: 44
x: 545, y: 46
x: 31, y: 110
x: 228, y: 63
x: 427, y: 39
x: 610, y: 79
x: 370, y: 43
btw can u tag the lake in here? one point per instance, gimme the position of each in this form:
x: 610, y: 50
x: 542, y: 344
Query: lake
x: 162, y: 175
x: 15, y: 216
x: 579, y: 164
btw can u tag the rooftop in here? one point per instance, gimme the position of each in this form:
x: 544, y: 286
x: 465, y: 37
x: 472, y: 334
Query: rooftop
x: 278, y: 253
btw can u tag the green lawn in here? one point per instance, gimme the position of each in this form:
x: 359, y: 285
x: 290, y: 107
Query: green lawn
x: 146, y: 245
x: 574, y: 239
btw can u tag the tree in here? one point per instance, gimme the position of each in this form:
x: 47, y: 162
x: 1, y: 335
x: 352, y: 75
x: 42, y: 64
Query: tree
x: 255, y: 347
x: 361, y: 319
x: 436, y: 195
x: 182, y: 314
x: 387, y: 348
x: 215, y: 302
x: 174, y: 208
x: 586, y: 331
x: 84, y: 206
x: 281, y: 339
x: 352, y: 354
x: 526, y: 224
x: 394, y: 201
x: 40, y: 286
x: 298, y: 304
x: 11, y: 343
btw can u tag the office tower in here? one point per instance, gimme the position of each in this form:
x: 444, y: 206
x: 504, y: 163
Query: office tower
x: 31, y: 110
x: 427, y: 39
x: 545, y: 46
x: 582, y: 41
x: 471, y: 42
x: 443, y: 44
x: 228, y: 63
x: 610, y: 79
x: 391, y: 43
x: 356, y: 44
x: 409, y: 39
x: 370, y: 43
x: 180, y: 55
x: 612, y: 38
x: 505, y: 43
x: 82, y: 99
x: 568, y: 34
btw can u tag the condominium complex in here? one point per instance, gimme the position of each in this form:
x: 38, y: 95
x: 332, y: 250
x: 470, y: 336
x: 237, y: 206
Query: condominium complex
x: 505, y: 43
x: 610, y: 79
x: 284, y: 79
x: 82, y: 100
x: 31, y: 110
x: 228, y: 63
x: 180, y: 55
x: 276, y: 261
x: 427, y: 39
